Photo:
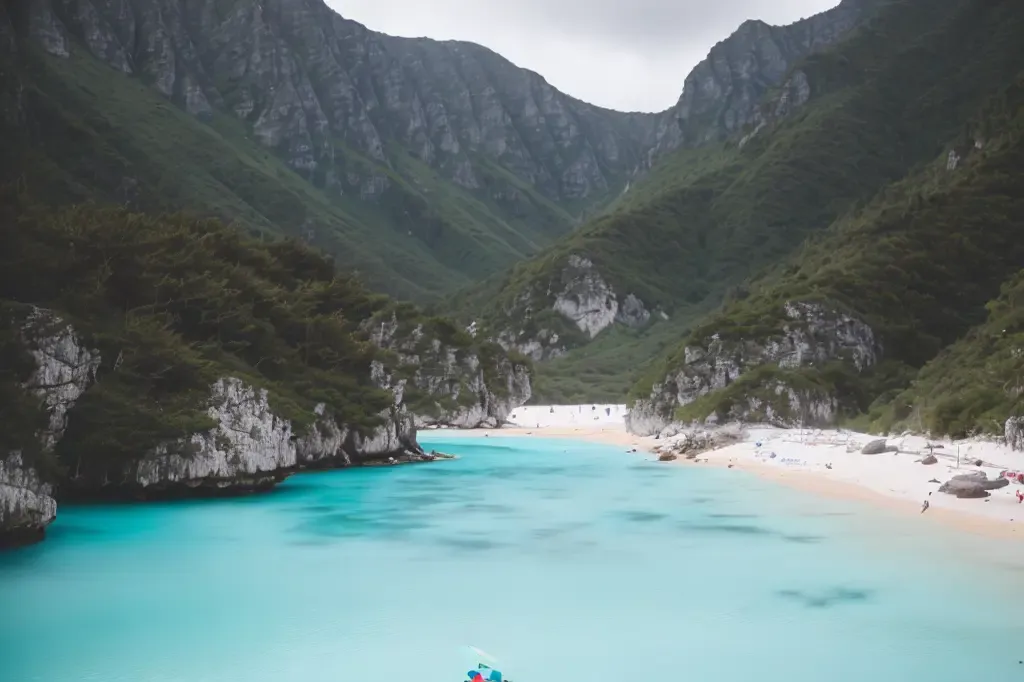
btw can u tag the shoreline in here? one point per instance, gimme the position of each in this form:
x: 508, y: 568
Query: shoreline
x: 974, y: 516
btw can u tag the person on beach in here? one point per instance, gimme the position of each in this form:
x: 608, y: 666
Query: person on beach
x: 924, y: 507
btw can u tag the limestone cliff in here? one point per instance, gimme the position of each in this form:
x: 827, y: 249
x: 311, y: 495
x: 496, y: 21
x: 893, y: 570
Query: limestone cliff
x: 758, y: 377
x: 451, y: 378
x: 723, y: 94
x: 252, y: 449
x: 304, y: 79
x: 584, y: 304
x: 64, y: 369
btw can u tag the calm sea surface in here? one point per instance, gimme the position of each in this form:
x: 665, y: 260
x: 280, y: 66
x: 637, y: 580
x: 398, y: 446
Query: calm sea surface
x: 566, y: 560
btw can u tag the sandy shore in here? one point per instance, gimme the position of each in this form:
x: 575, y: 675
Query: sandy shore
x: 896, y: 481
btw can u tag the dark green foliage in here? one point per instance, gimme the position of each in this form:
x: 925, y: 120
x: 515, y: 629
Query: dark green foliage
x: 975, y: 384
x: 173, y: 304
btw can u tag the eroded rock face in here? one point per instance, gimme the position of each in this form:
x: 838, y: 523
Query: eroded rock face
x: 544, y: 345
x: 27, y: 506
x: 64, y: 370
x: 302, y: 77
x: 722, y: 95
x: 812, y: 335
x: 579, y: 293
x: 250, y: 449
x: 455, y: 387
x: 586, y: 299
x: 650, y: 417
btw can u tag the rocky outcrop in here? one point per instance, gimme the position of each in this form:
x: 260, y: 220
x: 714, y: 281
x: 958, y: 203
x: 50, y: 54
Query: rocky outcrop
x: 811, y: 335
x: 64, y: 370
x: 27, y: 506
x: 692, y: 442
x: 723, y: 94
x: 447, y: 384
x: 252, y: 449
x: 583, y: 301
x: 544, y: 344
x: 649, y: 417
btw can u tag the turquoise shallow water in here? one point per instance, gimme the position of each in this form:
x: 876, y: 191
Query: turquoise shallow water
x: 567, y: 560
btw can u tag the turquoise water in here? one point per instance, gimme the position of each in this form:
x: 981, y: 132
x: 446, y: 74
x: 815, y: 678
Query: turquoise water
x: 568, y: 561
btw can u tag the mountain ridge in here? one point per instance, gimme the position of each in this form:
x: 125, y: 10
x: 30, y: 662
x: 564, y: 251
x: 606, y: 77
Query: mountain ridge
x: 443, y: 153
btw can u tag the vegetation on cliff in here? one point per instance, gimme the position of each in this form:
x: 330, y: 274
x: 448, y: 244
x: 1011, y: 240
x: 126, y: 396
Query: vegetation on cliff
x: 883, y: 105
x: 918, y: 264
x: 173, y: 303
x: 972, y: 386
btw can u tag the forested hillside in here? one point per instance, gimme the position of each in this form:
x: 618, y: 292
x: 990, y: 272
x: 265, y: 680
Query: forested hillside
x: 846, y: 324
x: 843, y: 126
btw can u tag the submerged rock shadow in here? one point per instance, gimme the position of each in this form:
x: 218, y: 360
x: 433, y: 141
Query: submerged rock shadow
x: 827, y: 598
x: 640, y: 516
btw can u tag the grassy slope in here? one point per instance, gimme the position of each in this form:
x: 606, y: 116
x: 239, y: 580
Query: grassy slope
x: 425, y: 236
x: 884, y: 102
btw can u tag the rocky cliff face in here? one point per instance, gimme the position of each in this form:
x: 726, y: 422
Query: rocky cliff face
x: 812, y: 336
x: 252, y: 449
x: 723, y: 94
x: 579, y: 295
x: 459, y: 383
x: 64, y: 370
x: 303, y: 78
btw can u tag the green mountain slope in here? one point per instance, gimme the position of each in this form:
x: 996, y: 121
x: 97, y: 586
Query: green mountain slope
x: 890, y: 285
x: 974, y: 385
x: 879, y: 104
x: 96, y: 133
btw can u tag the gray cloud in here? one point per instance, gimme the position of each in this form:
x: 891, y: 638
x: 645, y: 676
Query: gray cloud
x: 623, y: 54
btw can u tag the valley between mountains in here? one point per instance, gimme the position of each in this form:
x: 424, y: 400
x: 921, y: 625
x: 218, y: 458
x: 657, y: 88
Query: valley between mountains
x: 242, y: 239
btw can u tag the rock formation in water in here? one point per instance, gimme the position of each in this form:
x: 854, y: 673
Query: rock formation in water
x: 251, y: 449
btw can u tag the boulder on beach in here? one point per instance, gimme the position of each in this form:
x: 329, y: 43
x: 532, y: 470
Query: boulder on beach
x: 667, y: 457
x: 875, y: 447
x: 930, y: 459
x: 973, y: 485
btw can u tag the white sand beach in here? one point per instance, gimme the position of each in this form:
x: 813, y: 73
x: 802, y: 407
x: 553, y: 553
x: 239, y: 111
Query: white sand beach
x: 825, y: 462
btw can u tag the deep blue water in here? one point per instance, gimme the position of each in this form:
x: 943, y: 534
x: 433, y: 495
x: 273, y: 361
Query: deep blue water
x: 568, y: 561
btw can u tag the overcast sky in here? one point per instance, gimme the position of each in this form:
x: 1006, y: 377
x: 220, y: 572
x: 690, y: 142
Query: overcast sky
x: 631, y: 55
